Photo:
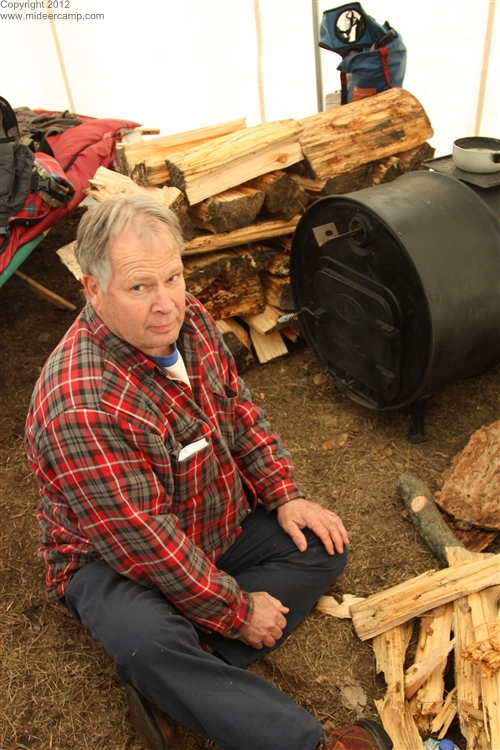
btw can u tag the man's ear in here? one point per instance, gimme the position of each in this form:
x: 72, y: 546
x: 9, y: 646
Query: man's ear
x: 93, y: 291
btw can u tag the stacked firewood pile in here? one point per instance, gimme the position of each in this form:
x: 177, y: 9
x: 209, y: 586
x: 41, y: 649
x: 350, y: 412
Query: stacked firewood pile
x: 456, y: 609
x: 239, y: 193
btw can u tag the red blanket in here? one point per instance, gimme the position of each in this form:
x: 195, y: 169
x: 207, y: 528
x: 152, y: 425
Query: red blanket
x: 79, y: 151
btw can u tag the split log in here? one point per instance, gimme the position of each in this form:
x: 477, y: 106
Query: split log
x: 224, y: 301
x: 419, y: 673
x: 386, y: 170
x: 390, y: 649
x: 228, y: 283
x: 280, y: 265
x: 285, y: 242
x: 314, y: 188
x: 446, y: 715
x: 238, y: 342
x: 290, y: 333
x: 484, y: 607
x: 341, y: 139
x: 227, y: 211
x: 144, y: 162
x: 277, y: 291
x: 329, y: 605
x: 412, y: 598
x: 414, y: 157
x: 107, y: 184
x: 467, y: 674
x: 255, y: 233
x: 349, y: 181
x: 486, y: 653
x: 426, y: 517
x: 268, y: 347
x: 68, y: 257
x: 471, y: 491
x: 228, y: 161
x: 265, y: 322
x: 434, y: 638
x: 283, y: 195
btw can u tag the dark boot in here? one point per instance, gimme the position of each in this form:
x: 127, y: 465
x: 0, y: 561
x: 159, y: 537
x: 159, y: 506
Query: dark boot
x: 151, y: 724
x: 364, y: 735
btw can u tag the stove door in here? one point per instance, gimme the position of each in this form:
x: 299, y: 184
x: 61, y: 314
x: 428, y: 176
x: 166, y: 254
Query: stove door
x: 359, y: 332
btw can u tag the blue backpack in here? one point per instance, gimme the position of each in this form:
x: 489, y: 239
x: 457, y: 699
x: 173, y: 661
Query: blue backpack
x: 373, y: 56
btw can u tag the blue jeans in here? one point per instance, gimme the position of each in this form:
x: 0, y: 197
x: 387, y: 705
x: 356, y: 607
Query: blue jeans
x: 156, y: 649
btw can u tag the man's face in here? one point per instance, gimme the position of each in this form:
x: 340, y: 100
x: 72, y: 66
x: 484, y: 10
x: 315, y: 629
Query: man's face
x: 144, y: 303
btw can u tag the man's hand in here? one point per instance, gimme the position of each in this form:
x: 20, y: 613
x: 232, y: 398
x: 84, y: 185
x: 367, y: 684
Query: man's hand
x: 300, y: 514
x: 267, y: 622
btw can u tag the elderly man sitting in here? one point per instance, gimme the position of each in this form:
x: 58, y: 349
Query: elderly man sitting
x: 171, y: 523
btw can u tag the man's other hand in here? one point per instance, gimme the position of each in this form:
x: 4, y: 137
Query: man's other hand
x: 267, y: 622
x: 300, y: 514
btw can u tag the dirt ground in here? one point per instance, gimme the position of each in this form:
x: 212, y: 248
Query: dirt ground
x: 58, y: 688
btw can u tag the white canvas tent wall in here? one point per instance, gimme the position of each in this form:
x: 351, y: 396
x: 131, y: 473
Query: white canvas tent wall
x: 183, y: 65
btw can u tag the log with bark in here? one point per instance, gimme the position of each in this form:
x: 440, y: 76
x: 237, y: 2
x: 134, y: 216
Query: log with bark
x: 228, y: 161
x: 341, y: 139
x: 471, y: 491
x: 426, y: 517
x: 227, y: 211
x: 145, y: 163
x: 238, y: 342
x: 228, y: 283
x: 283, y: 195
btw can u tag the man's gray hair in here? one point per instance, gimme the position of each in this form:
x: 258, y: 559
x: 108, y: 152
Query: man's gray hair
x: 111, y: 219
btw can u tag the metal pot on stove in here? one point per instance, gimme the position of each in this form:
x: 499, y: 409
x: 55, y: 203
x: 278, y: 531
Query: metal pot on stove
x: 397, y: 287
x: 477, y: 154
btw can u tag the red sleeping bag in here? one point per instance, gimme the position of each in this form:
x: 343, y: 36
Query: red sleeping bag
x: 79, y: 151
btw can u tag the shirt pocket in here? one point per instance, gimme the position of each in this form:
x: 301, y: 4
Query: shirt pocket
x: 194, y: 474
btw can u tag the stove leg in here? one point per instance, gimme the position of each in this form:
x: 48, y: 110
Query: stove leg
x: 416, y: 433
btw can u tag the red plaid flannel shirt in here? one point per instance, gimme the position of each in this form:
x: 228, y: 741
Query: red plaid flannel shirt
x: 103, y: 435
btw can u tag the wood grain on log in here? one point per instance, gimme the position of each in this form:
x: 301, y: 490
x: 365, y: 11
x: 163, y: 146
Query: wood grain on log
x: 434, y: 635
x: 390, y: 649
x: 412, y: 598
x: 467, y: 674
x: 107, y: 184
x: 227, y: 211
x: 228, y: 161
x: 277, y: 291
x: 228, y: 283
x: 283, y: 195
x: 254, y: 233
x: 144, y: 162
x: 341, y: 139
x: 268, y: 347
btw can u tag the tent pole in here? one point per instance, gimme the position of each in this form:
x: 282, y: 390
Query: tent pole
x: 60, y: 58
x: 317, y: 55
x: 486, y: 64
x: 258, y: 27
